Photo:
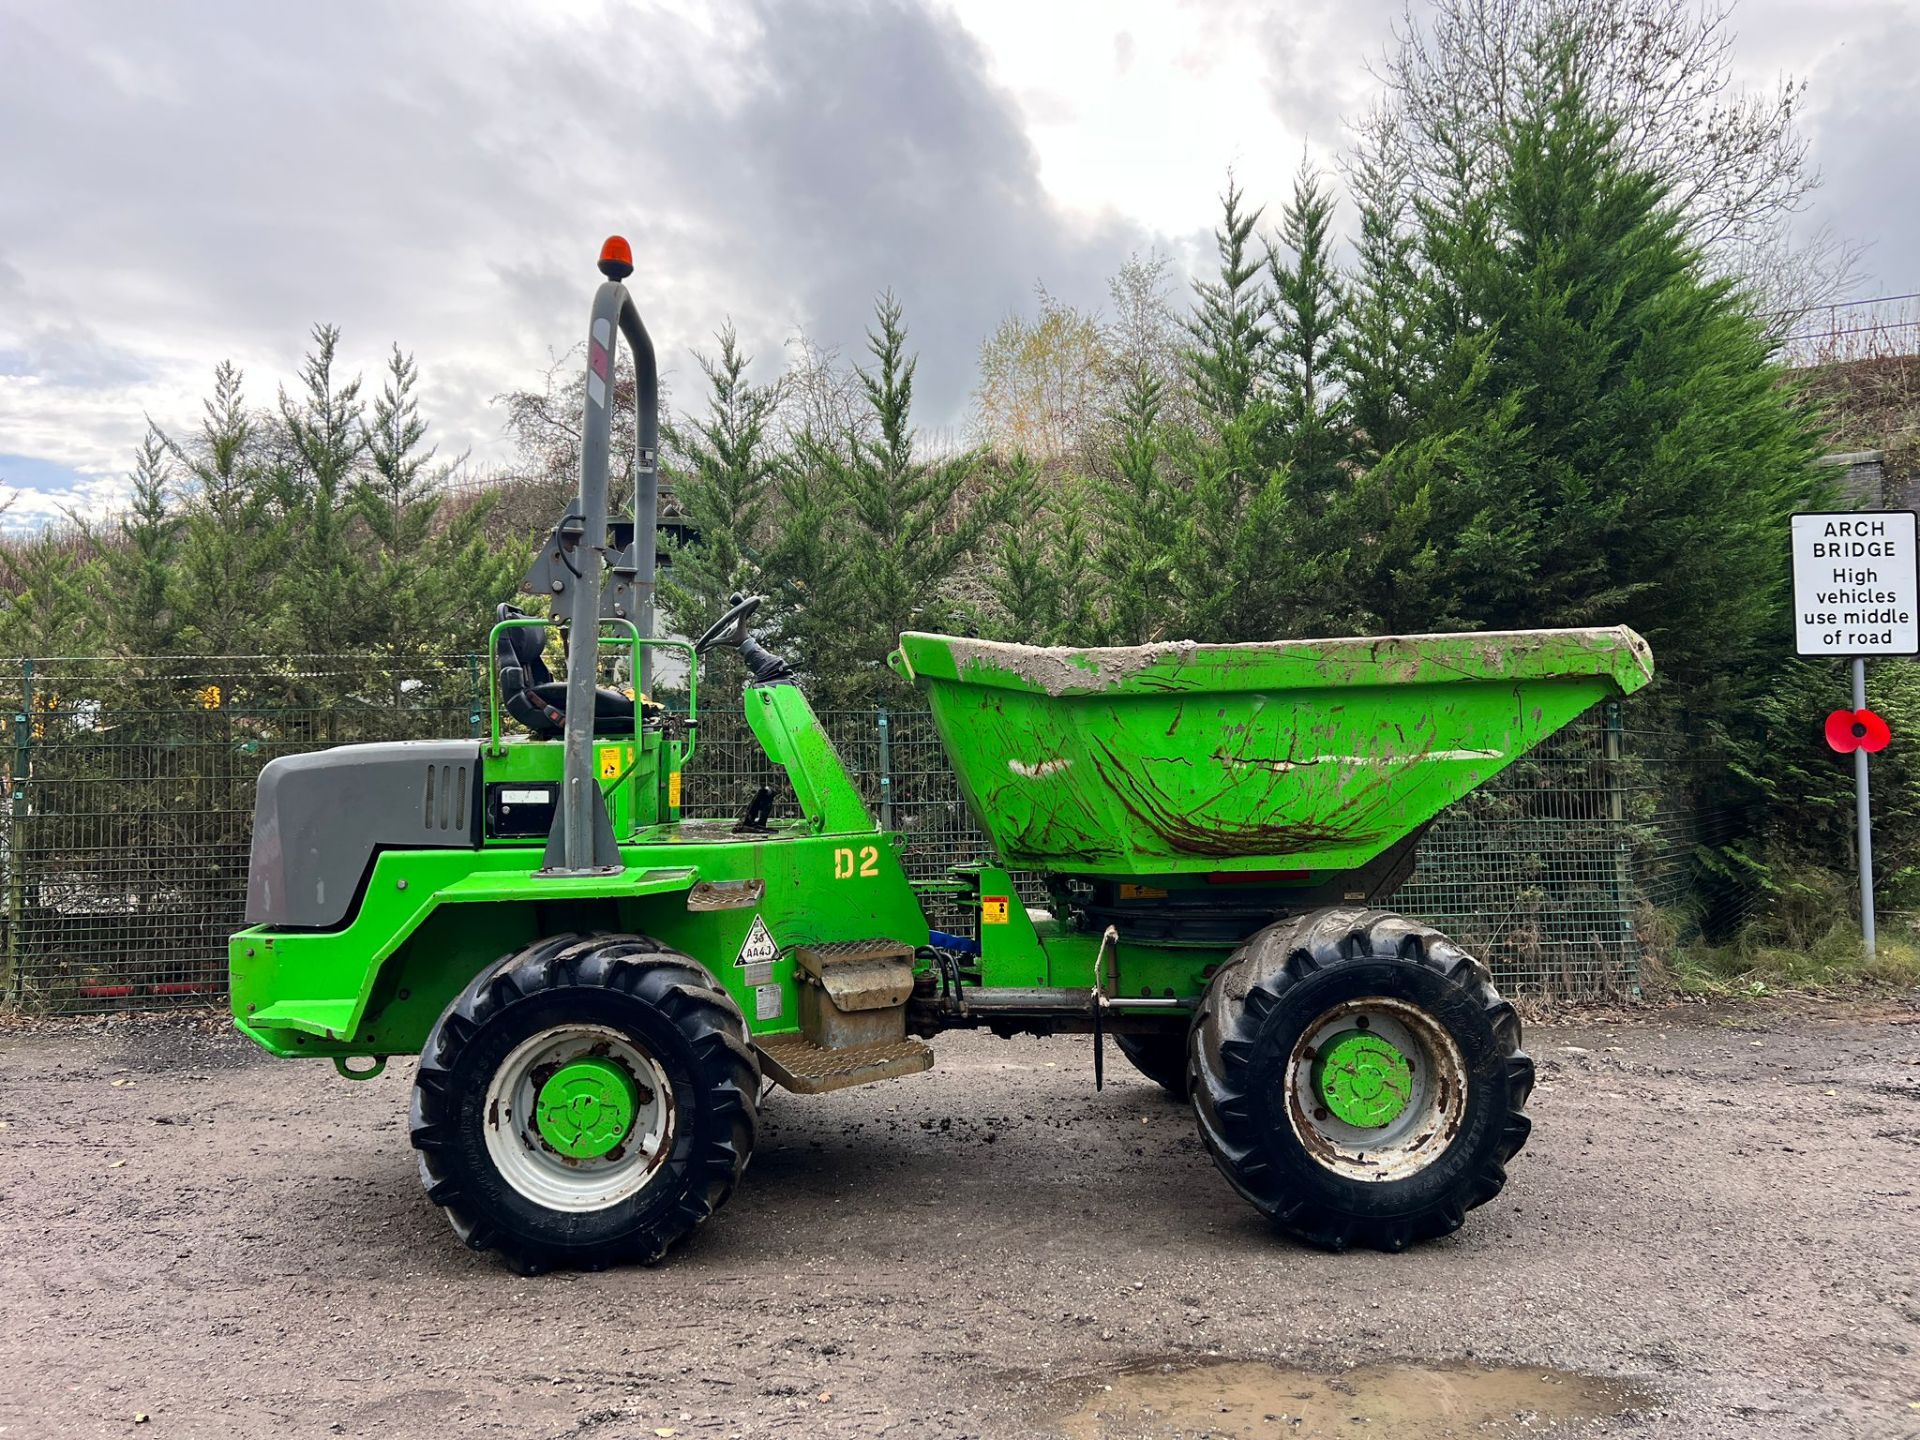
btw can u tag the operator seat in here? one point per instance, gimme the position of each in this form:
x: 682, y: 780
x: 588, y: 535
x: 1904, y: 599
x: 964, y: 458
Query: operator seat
x: 532, y: 696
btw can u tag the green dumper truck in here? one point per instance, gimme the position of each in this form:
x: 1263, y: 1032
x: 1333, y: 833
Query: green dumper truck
x: 601, y: 992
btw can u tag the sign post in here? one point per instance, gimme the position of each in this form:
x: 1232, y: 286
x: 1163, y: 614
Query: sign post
x: 1856, y: 592
x: 1862, y: 813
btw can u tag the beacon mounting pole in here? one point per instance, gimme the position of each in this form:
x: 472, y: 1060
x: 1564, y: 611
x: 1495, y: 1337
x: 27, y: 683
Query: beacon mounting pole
x: 582, y: 840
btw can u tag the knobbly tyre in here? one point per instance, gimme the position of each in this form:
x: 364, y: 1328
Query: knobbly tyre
x: 597, y: 988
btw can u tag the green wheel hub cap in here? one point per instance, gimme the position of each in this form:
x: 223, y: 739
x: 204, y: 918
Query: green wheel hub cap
x: 586, y: 1108
x: 1365, y: 1081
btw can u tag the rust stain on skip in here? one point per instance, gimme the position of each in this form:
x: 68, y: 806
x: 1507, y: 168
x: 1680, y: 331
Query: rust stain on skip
x: 1191, y: 829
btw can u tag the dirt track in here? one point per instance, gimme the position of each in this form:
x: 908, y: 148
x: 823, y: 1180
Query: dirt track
x: 1714, y: 1232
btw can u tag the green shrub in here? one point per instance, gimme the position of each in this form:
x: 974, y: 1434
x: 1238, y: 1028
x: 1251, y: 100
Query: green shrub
x: 1805, y: 939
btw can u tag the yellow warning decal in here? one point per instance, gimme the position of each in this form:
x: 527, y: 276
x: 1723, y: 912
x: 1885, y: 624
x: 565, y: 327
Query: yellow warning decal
x: 673, y: 789
x: 993, y: 909
x: 609, y: 763
x: 1141, y: 892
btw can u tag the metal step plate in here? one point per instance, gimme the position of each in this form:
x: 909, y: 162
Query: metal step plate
x: 809, y: 1069
x: 860, y: 974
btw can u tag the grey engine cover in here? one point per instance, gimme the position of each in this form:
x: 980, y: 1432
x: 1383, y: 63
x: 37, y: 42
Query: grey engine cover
x: 318, y: 820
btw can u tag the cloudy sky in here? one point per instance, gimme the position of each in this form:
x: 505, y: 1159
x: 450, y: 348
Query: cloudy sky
x: 193, y: 180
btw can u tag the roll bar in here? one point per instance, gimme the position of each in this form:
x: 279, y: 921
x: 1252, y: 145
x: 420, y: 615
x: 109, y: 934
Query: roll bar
x: 638, y: 647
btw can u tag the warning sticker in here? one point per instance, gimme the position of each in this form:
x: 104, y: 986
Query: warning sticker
x: 993, y: 909
x: 759, y: 947
x: 766, y: 1002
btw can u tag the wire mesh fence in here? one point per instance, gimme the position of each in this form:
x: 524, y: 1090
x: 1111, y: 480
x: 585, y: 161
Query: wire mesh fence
x: 129, y: 788
x: 1552, y: 870
x: 129, y: 803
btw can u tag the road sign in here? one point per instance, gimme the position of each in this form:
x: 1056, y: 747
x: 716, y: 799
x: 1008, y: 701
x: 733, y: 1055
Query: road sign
x: 1856, y: 583
x: 1855, y: 594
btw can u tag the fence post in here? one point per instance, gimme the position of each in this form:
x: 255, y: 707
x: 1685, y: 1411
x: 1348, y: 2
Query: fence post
x: 12, y: 980
x: 1615, y: 742
x: 886, y: 770
x: 476, y: 700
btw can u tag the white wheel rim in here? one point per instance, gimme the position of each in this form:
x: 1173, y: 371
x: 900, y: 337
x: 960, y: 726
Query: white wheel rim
x: 534, y: 1168
x: 1436, y: 1105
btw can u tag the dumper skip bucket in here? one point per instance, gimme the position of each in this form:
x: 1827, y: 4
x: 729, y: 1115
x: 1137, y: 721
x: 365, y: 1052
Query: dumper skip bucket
x: 1300, y: 755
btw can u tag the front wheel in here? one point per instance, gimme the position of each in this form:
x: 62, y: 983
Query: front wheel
x: 585, y: 1102
x: 1358, y: 1078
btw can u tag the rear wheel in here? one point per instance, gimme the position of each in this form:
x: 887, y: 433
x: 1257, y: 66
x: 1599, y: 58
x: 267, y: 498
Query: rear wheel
x: 585, y: 1102
x: 1359, y: 1079
x: 1162, y: 1058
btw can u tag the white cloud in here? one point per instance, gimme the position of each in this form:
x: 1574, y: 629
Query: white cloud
x: 197, y: 185
x: 198, y: 181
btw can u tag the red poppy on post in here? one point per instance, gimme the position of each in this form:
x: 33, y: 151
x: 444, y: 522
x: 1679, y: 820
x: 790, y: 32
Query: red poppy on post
x: 1850, y: 730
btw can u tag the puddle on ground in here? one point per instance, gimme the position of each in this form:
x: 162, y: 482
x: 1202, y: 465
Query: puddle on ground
x: 1244, y: 1401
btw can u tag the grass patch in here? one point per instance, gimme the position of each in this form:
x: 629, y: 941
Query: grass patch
x: 1807, y: 940
x: 1833, y: 961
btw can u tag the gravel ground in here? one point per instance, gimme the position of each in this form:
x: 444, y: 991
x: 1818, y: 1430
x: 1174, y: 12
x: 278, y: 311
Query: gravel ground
x: 1712, y: 1233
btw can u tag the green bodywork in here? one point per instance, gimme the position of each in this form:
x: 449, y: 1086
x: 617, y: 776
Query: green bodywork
x: 1314, y: 755
x: 1364, y: 1080
x: 1177, y: 764
x: 429, y: 920
x: 586, y: 1107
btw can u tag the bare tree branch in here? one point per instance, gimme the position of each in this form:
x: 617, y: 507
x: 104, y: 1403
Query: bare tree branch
x: 1734, y: 161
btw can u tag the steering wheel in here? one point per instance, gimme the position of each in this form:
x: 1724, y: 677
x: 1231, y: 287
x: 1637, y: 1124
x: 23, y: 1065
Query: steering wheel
x: 730, y: 628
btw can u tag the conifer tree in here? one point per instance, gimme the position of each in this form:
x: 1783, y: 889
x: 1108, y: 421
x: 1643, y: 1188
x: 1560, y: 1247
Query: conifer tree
x: 392, y: 496
x: 144, y: 618
x: 808, y: 570
x: 319, y: 444
x: 1308, y: 314
x: 1386, y: 346
x: 56, y: 584
x: 425, y: 579
x: 1223, y: 575
x: 1644, y: 430
x: 1140, y: 520
x: 727, y: 465
x: 909, y: 521
x: 1230, y: 330
x: 1041, y: 580
x: 230, y: 543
